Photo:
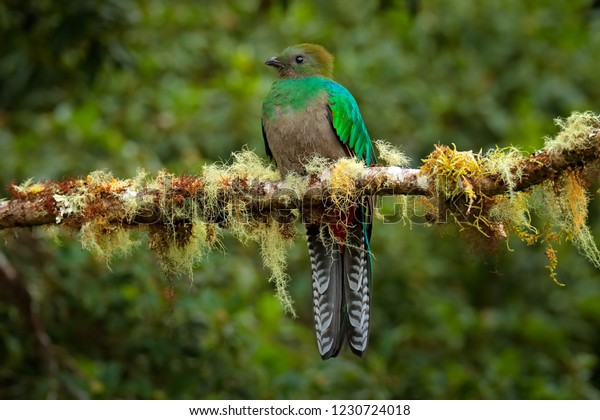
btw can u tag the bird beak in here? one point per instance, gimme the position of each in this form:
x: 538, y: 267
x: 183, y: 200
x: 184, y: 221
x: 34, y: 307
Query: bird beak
x: 274, y: 62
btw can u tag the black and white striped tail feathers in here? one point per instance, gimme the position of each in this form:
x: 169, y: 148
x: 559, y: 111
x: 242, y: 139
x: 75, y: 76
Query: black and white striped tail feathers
x: 341, y: 279
x: 326, y: 262
x: 357, y: 279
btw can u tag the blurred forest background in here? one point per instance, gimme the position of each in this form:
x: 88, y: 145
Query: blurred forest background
x: 124, y: 84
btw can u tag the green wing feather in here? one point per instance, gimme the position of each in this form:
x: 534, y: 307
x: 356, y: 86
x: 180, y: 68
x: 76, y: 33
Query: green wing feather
x: 348, y: 123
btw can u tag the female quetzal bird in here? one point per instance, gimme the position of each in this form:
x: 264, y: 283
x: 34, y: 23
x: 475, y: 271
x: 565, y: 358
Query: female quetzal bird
x: 305, y: 114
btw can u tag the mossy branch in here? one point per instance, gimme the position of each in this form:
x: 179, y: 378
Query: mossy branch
x: 487, y: 195
x: 130, y: 202
x: 167, y: 198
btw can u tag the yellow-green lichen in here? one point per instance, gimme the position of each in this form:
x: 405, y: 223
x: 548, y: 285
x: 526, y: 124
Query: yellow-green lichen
x: 452, y: 170
x: 106, y: 240
x: 503, y: 162
x: 29, y: 187
x: 391, y: 155
x: 98, y: 233
x: 513, y: 213
x: 552, y: 263
x: 574, y: 132
x: 316, y: 165
x: 194, y: 209
x: 273, y: 237
x: 561, y: 203
x: 182, y: 247
x: 274, y: 244
x: 458, y: 192
x: 343, y: 182
x: 68, y: 205
x: 564, y: 205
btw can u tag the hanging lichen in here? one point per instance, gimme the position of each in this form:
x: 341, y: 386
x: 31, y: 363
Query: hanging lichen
x: 185, y: 215
x: 560, y: 202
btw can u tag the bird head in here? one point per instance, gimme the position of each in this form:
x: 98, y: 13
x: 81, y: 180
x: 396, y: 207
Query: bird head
x: 303, y: 60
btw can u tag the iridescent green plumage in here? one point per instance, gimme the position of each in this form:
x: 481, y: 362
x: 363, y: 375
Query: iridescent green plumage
x: 348, y: 122
x: 305, y: 114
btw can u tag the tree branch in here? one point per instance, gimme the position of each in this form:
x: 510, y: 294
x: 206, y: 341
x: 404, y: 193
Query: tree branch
x: 487, y: 195
x: 171, y: 199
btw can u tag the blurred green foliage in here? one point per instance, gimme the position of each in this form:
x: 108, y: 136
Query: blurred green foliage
x: 119, y: 85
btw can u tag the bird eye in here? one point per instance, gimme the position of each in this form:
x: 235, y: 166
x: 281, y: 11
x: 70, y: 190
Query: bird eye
x: 299, y: 59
